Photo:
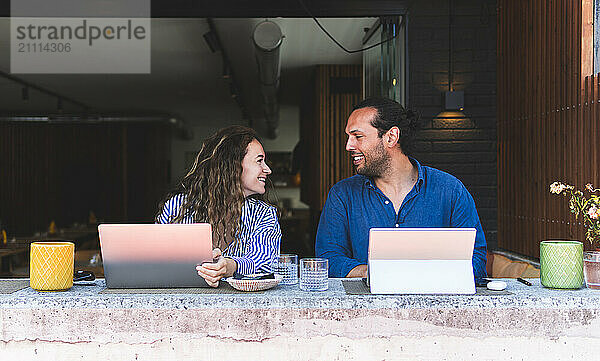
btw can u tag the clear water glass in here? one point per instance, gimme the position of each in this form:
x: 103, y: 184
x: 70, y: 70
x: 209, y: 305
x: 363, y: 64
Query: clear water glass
x: 286, y: 265
x: 314, y: 274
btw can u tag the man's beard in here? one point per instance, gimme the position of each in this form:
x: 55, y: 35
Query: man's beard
x: 375, y: 163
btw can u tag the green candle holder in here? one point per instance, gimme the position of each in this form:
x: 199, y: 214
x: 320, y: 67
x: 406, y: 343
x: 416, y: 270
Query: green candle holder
x: 561, y: 264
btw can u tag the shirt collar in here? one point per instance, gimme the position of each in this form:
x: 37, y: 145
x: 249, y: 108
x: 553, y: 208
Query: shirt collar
x: 421, y: 179
x: 369, y: 182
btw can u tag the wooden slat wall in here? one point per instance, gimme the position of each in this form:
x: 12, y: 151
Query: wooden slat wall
x: 547, y: 118
x: 62, y: 171
x: 148, y: 148
x: 324, y: 136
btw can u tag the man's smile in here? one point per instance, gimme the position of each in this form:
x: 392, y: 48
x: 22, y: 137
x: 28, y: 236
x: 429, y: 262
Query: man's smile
x: 357, y: 158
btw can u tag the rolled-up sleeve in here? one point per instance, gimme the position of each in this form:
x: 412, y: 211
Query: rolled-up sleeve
x: 333, y: 236
x: 262, y: 246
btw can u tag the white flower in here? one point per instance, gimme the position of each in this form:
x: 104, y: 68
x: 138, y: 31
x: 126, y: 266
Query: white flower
x: 594, y: 212
x: 591, y: 189
x: 557, y: 187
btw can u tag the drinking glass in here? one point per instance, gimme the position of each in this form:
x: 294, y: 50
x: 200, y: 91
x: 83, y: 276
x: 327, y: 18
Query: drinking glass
x: 313, y: 274
x: 286, y: 265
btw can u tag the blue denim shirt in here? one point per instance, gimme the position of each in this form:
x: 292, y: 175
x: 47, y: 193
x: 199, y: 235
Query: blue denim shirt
x: 354, y: 205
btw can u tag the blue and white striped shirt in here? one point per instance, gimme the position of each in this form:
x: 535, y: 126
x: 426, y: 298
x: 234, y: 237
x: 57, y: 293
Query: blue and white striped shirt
x: 256, y: 244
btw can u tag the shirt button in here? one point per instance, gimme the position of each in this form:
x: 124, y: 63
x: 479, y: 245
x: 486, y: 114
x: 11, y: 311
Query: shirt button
x: 397, y: 225
x: 387, y: 202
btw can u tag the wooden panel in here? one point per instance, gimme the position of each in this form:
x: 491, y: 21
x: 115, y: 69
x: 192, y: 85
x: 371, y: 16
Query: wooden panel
x: 323, y: 132
x: 62, y: 172
x: 587, y: 37
x: 547, y: 118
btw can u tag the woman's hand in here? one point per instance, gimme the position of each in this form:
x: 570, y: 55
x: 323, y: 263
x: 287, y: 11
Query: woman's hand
x: 213, y: 272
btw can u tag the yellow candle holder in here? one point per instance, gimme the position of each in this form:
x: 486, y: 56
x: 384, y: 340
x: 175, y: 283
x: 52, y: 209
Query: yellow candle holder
x: 51, y: 266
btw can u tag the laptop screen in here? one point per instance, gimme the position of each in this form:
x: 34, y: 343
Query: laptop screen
x: 154, y: 255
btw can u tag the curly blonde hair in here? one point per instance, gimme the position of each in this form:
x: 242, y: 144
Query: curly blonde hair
x: 212, y: 187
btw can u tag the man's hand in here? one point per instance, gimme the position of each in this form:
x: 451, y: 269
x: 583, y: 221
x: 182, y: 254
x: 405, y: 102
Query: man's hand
x: 359, y: 271
x: 213, y: 272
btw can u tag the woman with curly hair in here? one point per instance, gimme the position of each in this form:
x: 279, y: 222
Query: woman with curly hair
x: 224, y: 187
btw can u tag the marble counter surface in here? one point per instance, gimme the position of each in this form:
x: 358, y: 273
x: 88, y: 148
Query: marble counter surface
x: 89, y: 296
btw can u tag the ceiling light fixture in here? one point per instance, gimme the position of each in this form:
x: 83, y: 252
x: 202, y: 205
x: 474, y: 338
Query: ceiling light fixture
x: 226, y: 71
x: 211, y: 40
x: 27, y: 85
x: 233, y: 91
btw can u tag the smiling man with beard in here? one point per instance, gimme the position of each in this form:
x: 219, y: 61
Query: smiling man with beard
x: 391, y: 189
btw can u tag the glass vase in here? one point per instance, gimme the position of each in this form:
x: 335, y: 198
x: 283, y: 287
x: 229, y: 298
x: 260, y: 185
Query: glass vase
x: 591, y: 269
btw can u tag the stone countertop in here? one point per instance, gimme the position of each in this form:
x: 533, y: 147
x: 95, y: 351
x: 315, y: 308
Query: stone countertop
x: 291, y: 297
x: 529, y: 322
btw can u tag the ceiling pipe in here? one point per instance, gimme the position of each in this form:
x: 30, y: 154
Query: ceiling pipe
x: 177, y: 124
x: 267, y: 39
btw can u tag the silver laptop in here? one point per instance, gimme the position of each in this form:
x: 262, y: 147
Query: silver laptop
x: 154, y: 255
x: 421, y: 260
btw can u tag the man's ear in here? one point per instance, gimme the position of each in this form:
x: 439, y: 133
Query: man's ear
x: 392, y: 137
